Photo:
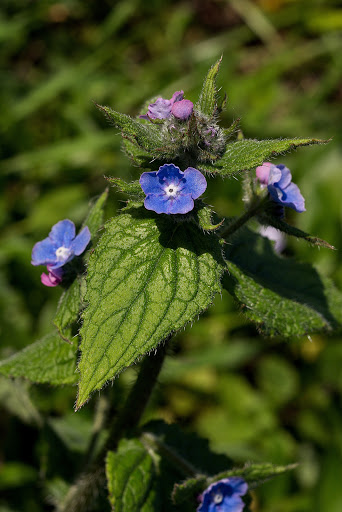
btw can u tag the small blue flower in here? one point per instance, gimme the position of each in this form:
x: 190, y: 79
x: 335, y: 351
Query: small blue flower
x: 224, y: 496
x: 278, y: 180
x: 171, y: 191
x: 177, y: 106
x: 58, y: 249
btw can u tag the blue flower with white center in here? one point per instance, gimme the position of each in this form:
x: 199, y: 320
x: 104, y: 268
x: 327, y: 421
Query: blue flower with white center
x: 60, y: 246
x: 224, y: 496
x: 278, y: 180
x: 171, y: 191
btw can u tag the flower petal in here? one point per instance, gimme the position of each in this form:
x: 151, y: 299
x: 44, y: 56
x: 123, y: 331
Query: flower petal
x: 195, y: 182
x: 183, y: 203
x: 177, y: 96
x: 150, y: 183
x: 63, y: 233
x: 170, y: 173
x: 81, y: 241
x: 156, y: 203
x: 44, y: 253
x: 160, y: 109
x: 182, y: 109
x: 293, y: 198
x: 263, y: 172
x: 286, y: 176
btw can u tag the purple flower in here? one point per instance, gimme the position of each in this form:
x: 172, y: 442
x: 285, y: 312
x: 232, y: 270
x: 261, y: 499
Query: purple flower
x: 169, y: 190
x: 278, y: 178
x: 223, y: 496
x: 53, y: 278
x: 162, y: 109
x: 58, y: 249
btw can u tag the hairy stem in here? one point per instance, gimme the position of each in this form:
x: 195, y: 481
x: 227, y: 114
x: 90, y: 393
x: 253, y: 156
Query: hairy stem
x: 254, y: 208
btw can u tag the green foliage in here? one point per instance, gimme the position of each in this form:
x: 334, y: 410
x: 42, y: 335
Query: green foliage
x: 281, y: 296
x: 95, y: 216
x: 146, y: 136
x: 133, y: 188
x: 280, y: 224
x: 131, y: 473
x: 204, y: 216
x: 148, y: 277
x: 247, y: 154
x: 15, y: 397
x: 49, y: 360
x: 68, y: 308
x: 207, y: 103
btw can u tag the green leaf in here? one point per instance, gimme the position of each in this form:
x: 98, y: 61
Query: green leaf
x: 136, y: 154
x: 133, y: 188
x: 247, y: 154
x: 254, y: 474
x: 207, y: 102
x: 146, y: 136
x: 204, y: 216
x: 49, y: 360
x: 131, y: 474
x: 14, y: 396
x: 270, y: 220
x: 148, y: 277
x: 283, y: 297
x: 189, y: 489
x: 94, y: 219
x: 68, y: 309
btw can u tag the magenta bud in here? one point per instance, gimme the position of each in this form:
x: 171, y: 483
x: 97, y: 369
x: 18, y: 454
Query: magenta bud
x: 182, y: 109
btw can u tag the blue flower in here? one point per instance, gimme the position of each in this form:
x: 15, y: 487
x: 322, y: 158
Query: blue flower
x: 171, y: 191
x: 177, y: 106
x: 278, y: 180
x: 224, y: 496
x: 58, y: 249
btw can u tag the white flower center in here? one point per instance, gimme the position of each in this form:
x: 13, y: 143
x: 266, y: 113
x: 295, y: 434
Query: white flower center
x: 171, y: 190
x: 218, y: 498
x: 63, y: 253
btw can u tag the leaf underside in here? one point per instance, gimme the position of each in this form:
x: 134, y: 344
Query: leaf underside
x: 283, y: 297
x: 148, y: 277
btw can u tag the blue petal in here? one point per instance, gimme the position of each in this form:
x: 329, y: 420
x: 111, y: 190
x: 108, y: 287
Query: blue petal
x: 156, y: 203
x: 232, y: 504
x: 238, y: 485
x: 150, y: 183
x: 293, y: 198
x: 286, y: 176
x: 170, y: 173
x: 181, y: 204
x: 44, y: 253
x: 79, y: 244
x: 195, y: 182
x: 63, y: 233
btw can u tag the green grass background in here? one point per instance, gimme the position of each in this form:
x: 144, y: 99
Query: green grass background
x: 255, y: 399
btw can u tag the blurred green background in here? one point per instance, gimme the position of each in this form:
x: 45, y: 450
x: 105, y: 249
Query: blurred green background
x: 255, y: 399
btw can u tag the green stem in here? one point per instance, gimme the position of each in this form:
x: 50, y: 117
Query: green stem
x: 137, y: 398
x: 254, y: 208
x: 152, y: 441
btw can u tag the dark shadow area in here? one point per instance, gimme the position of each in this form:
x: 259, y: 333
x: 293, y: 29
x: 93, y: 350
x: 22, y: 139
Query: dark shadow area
x: 299, y: 282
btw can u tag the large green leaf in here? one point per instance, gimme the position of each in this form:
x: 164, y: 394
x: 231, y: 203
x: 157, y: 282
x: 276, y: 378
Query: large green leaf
x: 131, y: 474
x: 148, y: 277
x: 247, y: 154
x: 49, y: 360
x: 282, y: 296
